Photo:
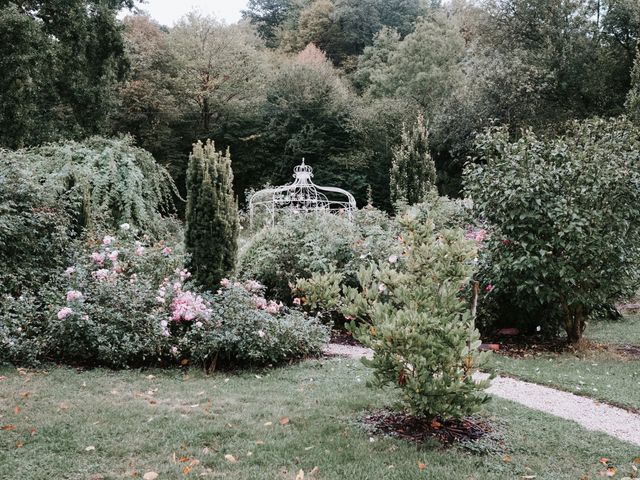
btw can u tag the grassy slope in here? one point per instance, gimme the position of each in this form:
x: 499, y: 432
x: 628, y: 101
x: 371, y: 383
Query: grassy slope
x: 601, y: 375
x: 205, y: 418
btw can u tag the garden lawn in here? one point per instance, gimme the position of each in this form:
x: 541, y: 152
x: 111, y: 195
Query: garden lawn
x: 100, y: 424
x: 598, y: 373
x: 619, y: 332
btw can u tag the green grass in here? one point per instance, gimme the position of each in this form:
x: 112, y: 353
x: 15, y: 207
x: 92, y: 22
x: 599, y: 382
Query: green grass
x: 622, y: 332
x: 139, y: 423
x: 600, y: 374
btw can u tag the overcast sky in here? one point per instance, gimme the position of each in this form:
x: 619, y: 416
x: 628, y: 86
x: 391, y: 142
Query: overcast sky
x: 166, y: 12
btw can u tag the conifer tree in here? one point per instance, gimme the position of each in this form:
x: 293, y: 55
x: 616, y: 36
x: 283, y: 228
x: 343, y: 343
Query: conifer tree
x: 212, y: 215
x: 413, y: 171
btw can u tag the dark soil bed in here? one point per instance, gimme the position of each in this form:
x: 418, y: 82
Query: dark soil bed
x: 420, y: 430
x: 344, y: 338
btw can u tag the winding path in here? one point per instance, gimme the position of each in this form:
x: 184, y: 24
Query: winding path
x: 588, y: 413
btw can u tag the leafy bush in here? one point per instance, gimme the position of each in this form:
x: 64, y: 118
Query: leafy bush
x: 418, y: 325
x: 35, y: 232
x: 563, y: 212
x: 246, y: 329
x: 296, y: 247
x: 103, y: 181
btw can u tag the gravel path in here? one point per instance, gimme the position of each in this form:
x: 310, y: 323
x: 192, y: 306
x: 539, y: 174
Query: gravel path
x: 588, y: 413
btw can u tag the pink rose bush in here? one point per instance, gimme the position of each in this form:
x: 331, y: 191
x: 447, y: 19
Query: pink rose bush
x: 129, y: 302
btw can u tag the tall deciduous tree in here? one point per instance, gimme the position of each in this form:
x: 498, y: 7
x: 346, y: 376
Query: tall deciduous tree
x: 220, y: 69
x: 413, y: 172
x: 212, y: 215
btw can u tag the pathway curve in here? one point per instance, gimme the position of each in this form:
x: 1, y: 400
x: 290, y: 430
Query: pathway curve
x: 588, y: 413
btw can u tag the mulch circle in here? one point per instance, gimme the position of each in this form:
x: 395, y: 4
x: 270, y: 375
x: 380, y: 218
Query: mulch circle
x: 419, y: 429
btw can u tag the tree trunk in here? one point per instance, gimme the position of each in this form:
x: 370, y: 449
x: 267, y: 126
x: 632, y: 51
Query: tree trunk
x: 574, y: 322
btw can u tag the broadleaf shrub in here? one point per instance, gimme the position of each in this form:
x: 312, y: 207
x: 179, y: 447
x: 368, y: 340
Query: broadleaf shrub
x: 299, y: 246
x: 563, y: 212
x: 127, y: 302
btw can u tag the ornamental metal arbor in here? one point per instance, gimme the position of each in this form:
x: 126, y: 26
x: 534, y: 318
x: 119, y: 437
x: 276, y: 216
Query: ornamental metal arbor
x: 302, y: 196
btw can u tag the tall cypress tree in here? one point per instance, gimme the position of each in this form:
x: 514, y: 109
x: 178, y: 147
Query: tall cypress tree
x: 212, y: 215
x: 413, y: 171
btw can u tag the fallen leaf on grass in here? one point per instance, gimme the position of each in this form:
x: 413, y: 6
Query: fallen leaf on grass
x: 17, y: 410
x: 422, y: 465
x: 604, y: 461
x: 19, y: 444
x: 528, y: 477
x: 507, y: 458
x: 268, y: 424
x: 150, y: 476
x: 186, y: 470
x: 259, y: 442
x: 183, y: 459
x: 284, y: 421
x: 314, y: 471
x: 636, y: 461
x: 90, y: 448
x: 230, y: 458
x: 8, y: 428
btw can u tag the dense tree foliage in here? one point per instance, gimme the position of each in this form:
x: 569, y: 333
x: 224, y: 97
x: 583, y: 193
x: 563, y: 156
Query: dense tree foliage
x: 330, y: 80
x: 61, y: 63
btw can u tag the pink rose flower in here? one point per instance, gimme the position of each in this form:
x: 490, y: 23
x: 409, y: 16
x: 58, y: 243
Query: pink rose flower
x: 113, y: 256
x: 98, y: 258
x: 297, y: 301
x: 108, y: 240
x: 73, y: 295
x: 64, y: 313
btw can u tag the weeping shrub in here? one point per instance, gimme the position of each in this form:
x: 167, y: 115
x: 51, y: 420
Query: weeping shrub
x: 35, y: 231
x: 104, y: 182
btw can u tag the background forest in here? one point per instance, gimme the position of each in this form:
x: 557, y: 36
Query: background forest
x: 329, y: 80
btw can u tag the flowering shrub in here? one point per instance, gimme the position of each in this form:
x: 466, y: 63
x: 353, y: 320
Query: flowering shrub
x: 120, y: 291
x: 128, y: 302
x: 245, y: 329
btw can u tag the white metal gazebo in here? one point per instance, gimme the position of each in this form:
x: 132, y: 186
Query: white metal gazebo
x: 302, y: 196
